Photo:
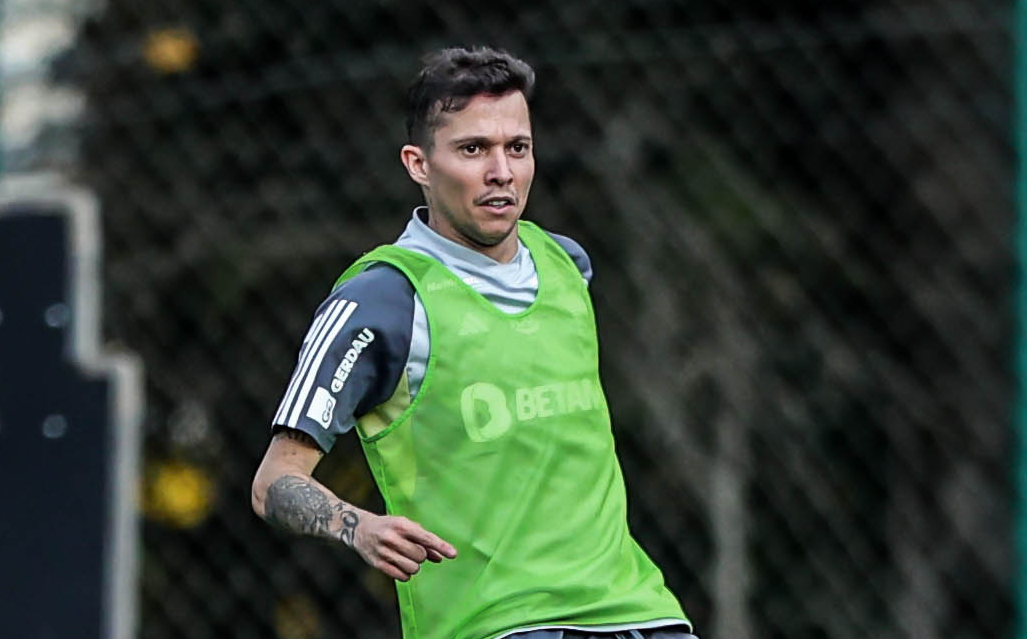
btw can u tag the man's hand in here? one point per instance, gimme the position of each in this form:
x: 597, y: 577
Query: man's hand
x: 397, y: 546
x: 286, y: 495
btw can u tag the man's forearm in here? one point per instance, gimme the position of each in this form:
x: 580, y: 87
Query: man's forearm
x: 302, y: 505
x: 285, y: 495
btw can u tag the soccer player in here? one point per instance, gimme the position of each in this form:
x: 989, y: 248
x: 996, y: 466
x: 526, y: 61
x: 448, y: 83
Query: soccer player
x: 465, y: 358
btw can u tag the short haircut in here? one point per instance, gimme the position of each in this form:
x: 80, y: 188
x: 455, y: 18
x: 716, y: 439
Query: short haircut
x: 451, y: 77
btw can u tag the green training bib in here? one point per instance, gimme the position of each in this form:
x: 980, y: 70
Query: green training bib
x: 506, y: 452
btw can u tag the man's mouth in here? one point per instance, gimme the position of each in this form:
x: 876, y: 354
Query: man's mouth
x: 498, y: 204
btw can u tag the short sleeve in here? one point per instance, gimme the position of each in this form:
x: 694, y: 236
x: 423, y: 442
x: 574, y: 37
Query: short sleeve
x: 352, y: 356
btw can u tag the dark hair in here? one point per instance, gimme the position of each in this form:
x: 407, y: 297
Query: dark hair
x: 451, y: 77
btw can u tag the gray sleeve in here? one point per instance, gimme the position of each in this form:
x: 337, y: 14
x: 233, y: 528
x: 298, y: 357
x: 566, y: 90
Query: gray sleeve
x: 576, y: 253
x: 352, y: 357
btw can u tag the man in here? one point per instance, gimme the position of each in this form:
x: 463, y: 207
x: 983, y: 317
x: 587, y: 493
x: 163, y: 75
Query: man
x: 466, y: 357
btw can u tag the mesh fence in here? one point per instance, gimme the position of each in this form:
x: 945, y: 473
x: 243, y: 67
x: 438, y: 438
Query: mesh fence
x: 800, y: 217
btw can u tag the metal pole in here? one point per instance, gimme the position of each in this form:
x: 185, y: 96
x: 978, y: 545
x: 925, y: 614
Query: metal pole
x: 3, y: 7
x: 1020, y: 125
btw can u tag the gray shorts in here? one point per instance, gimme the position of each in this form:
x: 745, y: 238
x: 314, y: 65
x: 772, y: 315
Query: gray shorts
x: 649, y: 633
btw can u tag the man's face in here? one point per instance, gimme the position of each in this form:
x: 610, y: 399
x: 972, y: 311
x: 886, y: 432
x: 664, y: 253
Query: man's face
x: 478, y: 173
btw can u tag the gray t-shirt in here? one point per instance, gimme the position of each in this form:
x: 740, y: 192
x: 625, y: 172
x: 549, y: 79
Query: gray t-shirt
x: 372, y: 331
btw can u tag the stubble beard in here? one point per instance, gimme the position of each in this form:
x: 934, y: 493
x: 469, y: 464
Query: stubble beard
x: 474, y: 234
x: 471, y: 232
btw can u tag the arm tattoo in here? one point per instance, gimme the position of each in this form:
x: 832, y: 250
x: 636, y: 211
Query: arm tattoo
x: 298, y: 505
x: 350, y: 519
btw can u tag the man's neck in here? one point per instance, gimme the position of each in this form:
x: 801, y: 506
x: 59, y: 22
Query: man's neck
x: 503, y: 252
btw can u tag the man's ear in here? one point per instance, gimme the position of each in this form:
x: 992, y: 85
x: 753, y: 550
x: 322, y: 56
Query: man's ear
x: 416, y: 162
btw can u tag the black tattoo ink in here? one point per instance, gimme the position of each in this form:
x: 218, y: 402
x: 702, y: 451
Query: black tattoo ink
x: 298, y: 436
x: 297, y: 505
x: 349, y: 519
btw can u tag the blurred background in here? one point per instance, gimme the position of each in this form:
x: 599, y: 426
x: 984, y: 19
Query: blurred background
x: 801, y: 218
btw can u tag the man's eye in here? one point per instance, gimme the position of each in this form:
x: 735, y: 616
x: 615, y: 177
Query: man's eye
x: 519, y: 148
x: 471, y: 149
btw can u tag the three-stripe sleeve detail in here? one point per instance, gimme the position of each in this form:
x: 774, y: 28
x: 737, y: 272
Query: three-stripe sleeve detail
x: 319, y: 338
x: 342, y: 315
x: 313, y: 337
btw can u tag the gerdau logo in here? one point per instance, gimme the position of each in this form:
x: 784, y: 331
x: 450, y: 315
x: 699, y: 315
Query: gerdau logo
x: 365, y: 337
x: 488, y: 412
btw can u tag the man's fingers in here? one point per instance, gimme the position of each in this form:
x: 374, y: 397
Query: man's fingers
x: 433, y: 555
x: 431, y: 542
x: 406, y: 567
x: 392, y: 571
x: 407, y: 548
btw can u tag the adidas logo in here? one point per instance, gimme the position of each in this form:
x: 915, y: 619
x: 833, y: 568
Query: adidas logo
x: 472, y: 325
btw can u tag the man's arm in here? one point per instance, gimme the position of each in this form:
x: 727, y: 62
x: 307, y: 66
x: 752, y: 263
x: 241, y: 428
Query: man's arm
x: 286, y: 495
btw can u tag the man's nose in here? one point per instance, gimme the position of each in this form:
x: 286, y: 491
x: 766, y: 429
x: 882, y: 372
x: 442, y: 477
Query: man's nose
x: 498, y: 171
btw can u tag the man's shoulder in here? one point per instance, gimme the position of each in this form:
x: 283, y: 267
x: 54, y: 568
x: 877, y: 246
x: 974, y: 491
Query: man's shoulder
x: 381, y: 297
x: 352, y: 356
x: 378, y: 283
x: 576, y: 252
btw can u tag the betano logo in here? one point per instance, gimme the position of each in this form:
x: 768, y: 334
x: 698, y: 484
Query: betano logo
x: 552, y: 400
x: 486, y: 413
